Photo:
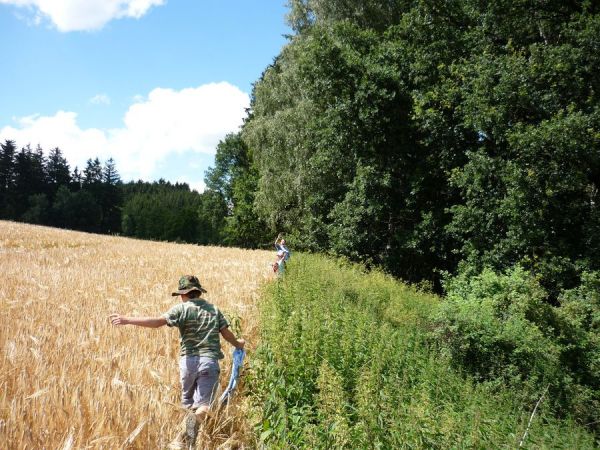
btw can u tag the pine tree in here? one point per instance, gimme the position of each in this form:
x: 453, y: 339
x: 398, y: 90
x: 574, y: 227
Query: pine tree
x: 92, y: 174
x: 30, y: 180
x: 7, y: 161
x: 109, y: 173
x: 58, y: 171
x: 111, y: 199
x: 76, y: 180
x: 38, y: 168
x: 21, y: 188
x: 92, y: 185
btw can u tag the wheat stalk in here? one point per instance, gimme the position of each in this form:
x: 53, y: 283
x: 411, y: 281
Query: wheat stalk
x: 64, y: 367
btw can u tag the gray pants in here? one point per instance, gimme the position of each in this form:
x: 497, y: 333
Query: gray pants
x: 199, y: 380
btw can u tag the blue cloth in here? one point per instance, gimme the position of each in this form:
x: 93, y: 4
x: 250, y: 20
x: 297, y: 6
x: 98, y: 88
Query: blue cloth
x: 284, y: 249
x: 238, y: 360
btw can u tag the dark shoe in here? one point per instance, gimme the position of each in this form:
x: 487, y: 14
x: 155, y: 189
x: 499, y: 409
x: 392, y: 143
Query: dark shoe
x: 191, y: 430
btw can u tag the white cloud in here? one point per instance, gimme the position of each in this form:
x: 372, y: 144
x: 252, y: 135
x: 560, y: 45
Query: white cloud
x: 81, y: 15
x: 100, y: 99
x: 60, y: 130
x: 198, y: 186
x: 167, y: 122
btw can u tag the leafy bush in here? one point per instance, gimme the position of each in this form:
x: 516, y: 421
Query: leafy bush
x: 579, y: 326
x: 501, y: 329
x: 496, y: 325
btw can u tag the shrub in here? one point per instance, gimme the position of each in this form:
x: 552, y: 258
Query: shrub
x: 501, y: 329
x: 579, y: 335
x: 497, y: 325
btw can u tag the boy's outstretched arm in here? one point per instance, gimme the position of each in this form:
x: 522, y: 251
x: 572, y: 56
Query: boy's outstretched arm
x: 230, y: 337
x: 148, y: 322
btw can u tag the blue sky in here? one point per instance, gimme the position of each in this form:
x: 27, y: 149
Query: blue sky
x: 155, y: 84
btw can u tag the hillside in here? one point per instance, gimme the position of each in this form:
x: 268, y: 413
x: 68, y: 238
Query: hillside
x: 70, y: 380
x: 339, y: 357
x: 350, y: 359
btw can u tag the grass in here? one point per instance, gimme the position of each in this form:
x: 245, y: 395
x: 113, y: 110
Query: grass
x: 68, y: 379
x: 347, y: 360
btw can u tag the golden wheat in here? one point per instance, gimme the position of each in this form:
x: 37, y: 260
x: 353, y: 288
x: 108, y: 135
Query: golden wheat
x: 70, y: 380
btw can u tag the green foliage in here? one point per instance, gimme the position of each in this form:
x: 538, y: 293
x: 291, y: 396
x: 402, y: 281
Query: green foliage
x: 76, y: 210
x: 39, y: 209
x: 414, y: 136
x: 500, y: 329
x: 232, y: 160
x: 110, y: 197
x: 7, y: 155
x: 332, y: 409
x: 349, y: 233
x: 28, y: 178
x: 337, y: 159
x: 243, y: 228
x: 499, y: 326
x: 534, y: 202
x: 234, y: 177
x: 376, y: 14
x: 92, y: 174
x: 163, y: 211
x: 579, y: 335
x: 345, y: 361
x: 211, y: 216
x: 169, y: 215
x: 58, y: 171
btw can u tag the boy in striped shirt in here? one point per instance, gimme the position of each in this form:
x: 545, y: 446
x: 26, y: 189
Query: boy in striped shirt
x: 200, y: 325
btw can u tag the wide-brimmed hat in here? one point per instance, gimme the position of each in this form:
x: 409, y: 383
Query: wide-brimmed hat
x: 187, y: 284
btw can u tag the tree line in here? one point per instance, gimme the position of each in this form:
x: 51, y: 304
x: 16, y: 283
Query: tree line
x: 41, y: 189
x: 427, y: 139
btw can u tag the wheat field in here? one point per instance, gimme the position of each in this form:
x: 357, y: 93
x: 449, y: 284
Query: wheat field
x: 70, y: 380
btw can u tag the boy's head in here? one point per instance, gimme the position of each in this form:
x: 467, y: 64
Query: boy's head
x: 189, y: 284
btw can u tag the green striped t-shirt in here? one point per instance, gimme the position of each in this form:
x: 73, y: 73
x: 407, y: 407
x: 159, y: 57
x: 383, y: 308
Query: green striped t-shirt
x: 199, y: 323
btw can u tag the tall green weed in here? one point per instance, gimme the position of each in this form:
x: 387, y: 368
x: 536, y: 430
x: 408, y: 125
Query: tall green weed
x: 347, y: 360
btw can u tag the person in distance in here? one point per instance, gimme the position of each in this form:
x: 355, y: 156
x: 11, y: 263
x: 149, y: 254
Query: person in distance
x: 281, y: 246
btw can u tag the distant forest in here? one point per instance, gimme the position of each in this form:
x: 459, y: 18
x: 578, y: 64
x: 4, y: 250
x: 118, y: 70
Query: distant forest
x: 44, y: 190
x: 421, y: 139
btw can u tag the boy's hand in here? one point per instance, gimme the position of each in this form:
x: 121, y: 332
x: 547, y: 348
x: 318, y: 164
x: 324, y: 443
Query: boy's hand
x: 230, y: 337
x: 118, y: 319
